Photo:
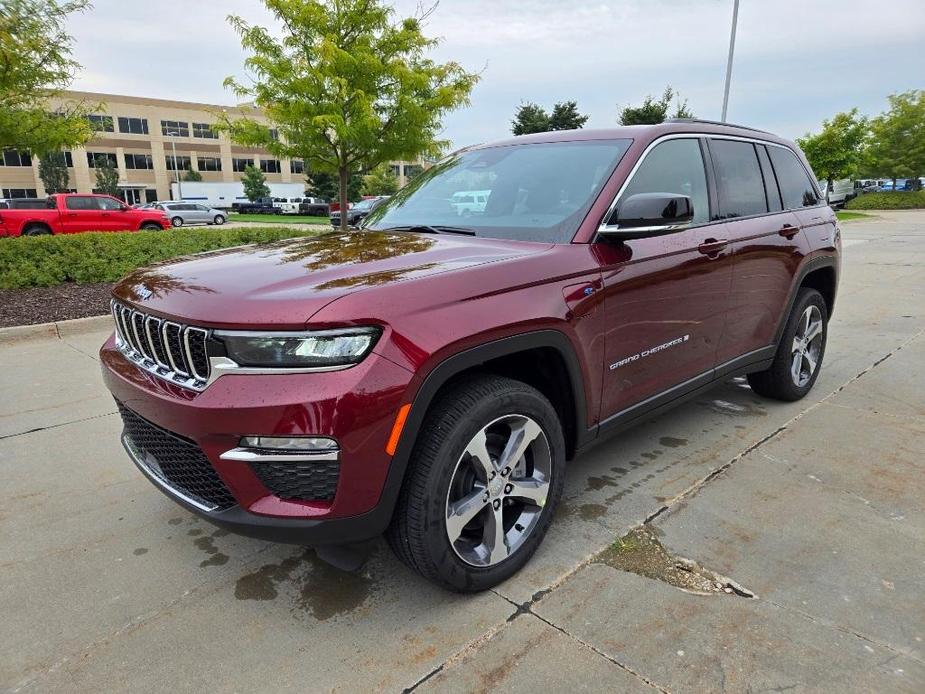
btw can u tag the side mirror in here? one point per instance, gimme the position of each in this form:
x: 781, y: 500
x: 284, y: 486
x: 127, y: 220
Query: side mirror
x: 649, y: 214
x: 124, y: 208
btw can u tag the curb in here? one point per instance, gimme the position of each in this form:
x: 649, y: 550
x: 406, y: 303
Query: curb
x: 59, y: 329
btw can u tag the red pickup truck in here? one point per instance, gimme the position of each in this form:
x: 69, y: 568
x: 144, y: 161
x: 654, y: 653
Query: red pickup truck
x: 71, y: 213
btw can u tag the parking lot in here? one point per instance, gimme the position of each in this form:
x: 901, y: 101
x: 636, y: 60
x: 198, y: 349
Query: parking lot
x: 815, y: 511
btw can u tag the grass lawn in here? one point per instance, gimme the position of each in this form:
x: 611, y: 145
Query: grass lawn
x: 269, y: 219
x: 845, y: 216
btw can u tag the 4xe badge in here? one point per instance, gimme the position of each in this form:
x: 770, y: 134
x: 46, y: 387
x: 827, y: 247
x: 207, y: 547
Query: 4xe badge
x: 649, y: 352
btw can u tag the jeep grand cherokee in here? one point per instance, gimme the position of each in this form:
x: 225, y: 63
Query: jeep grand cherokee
x: 430, y: 381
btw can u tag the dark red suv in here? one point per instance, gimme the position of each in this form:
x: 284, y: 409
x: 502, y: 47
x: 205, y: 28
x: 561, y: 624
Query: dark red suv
x: 429, y: 376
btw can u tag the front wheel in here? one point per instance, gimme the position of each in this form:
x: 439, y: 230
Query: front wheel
x: 219, y: 220
x: 799, y: 354
x: 177, y: 221
x: 485, y: 478
x: 151, y: 226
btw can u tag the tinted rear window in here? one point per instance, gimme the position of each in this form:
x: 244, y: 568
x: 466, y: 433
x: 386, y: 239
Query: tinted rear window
x: 796, y: 188
x: 738, y: 177
x: 80, y: 203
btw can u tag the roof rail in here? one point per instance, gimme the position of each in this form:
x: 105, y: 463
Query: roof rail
x: 715, y: 122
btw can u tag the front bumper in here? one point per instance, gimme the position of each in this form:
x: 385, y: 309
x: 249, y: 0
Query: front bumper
x: 355, y: 406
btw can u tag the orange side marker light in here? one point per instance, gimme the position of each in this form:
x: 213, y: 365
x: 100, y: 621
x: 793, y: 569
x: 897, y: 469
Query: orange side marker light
x: 396, y: 428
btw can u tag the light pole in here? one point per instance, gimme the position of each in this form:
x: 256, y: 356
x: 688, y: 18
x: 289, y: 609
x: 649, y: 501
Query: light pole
x: 176, y: 167
x: 732, y: 47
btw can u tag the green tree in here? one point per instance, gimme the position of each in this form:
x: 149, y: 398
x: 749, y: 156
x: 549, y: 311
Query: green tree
x: 325, y: 185
x: 107, y: 176
x: 565, y: 116
x: 835, y: 152
x: 530, y: 118
x: 53, y: 172
x: 654, y: 111
x: 192, y: 175
x: 347, y: 87
x: 255, y: 184
x: 36, y: 66
x: 380, y: 181
x: 896, y: 147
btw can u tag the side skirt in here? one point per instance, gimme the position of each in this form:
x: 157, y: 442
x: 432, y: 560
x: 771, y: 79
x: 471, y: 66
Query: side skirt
x: 759, y: 360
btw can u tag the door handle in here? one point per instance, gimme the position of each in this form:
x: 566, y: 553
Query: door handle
x: 788, y: 231
x: 712, y: 246
x: 71, y: 214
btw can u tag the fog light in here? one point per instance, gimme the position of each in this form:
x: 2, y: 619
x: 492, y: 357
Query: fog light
x: 290, y: 443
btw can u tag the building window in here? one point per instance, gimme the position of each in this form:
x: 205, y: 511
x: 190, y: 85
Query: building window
x: 138, y: 161
x: 92, y: 158
x: 270, y: 165
x: 204, y: 130
x: 135, y: 126
x: 150, y: 195
x: 180, y: 164
x: 210, y: 164
x: 101, y: 124
x: 297, y: 166
x: 240, y: 164
x: 175, y: 128
x: 274, y: 134
x: 11, y: 193
x: 412, y: 170
x: 68, y: 159
x: 12, y: 157
x: 395, y: 169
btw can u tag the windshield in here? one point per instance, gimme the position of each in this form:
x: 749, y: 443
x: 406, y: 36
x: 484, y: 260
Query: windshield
x: 362, y: 205
x: 529, y: 192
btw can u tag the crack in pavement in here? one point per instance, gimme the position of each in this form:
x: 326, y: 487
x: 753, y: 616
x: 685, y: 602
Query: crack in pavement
x: 55, y: 426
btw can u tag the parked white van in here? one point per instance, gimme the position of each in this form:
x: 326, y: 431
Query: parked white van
x: 468, y: 202
x: 839, y: 192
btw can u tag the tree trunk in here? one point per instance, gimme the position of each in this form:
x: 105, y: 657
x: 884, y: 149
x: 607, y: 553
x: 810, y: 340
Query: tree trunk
x: 343, y: 174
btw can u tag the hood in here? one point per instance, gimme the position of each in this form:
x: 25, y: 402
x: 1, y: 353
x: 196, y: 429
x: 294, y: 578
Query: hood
x: 282, y: 284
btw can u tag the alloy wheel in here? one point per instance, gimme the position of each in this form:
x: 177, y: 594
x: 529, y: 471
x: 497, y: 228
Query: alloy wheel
x: 498, y: 490
x: 807, y: 346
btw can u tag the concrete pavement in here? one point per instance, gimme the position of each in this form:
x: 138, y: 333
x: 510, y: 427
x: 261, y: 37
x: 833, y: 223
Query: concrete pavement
x: 816, y: 507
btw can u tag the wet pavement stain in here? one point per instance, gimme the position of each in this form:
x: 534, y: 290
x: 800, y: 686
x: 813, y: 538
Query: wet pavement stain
x: 193, y: 532
x: 641, y: 552
x: 672, y: 442
x: 735, y: 409
x: 619, y: 470
x: 175, y: 521
x: 591, y: 512
x: 139, y: 551
x: 595, y: 483
x: 207, y: 545
x: 320, y: 589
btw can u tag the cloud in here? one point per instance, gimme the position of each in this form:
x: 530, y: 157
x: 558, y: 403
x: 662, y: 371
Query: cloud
x: 796, y: 62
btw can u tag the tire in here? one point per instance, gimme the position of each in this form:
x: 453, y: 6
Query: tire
x: 151, y: 226
x: 36, y: 230
x: 442, y: 473
x: 176, y: 222
x: 219, y: 220
x: 785, y: 380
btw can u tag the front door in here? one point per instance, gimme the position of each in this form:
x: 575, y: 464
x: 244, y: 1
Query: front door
x: 666, y: 297
x: 114, y: 215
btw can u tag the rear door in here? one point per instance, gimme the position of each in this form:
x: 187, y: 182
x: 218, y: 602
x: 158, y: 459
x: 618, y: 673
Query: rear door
x: 665, y: 297
x: 767, y: 247
x: 81, y: 213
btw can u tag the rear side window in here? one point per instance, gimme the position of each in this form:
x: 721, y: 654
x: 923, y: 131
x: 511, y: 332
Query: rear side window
x: 80, y: 202
x: 674, y: 166
x: 796, y: 188
x: 770, y: 181
x: 738, y: 177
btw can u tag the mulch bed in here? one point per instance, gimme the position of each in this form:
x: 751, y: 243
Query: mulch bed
x: 49, y: 304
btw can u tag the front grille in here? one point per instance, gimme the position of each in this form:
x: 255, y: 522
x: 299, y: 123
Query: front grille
x: 177, y: 462
x: 300, y: 481
x: 170, y: 350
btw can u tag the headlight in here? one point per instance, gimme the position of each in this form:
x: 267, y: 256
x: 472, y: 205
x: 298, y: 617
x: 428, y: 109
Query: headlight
x: 319, y: 348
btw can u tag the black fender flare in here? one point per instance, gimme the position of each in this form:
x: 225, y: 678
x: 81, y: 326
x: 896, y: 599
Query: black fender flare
x: 811, y: 265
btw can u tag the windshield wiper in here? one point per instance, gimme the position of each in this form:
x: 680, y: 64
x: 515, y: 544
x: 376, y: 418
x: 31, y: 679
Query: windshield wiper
x: 429, y: 229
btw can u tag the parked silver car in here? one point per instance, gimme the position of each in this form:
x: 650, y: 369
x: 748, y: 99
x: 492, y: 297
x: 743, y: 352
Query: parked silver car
x: 181, y: 213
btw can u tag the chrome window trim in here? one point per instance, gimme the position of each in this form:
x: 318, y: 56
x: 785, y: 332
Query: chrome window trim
x: 605, y: 228
x: 254, y: 455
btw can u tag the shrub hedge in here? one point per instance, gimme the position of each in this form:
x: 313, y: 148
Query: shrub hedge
x: 901, y: 200
x: 44, y: 261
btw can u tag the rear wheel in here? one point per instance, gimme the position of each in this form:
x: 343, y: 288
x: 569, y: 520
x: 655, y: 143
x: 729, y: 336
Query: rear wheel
x: 36, y: 230
x: 485, y: 477
x: 177, y: 222
x: 799, y: 354
x: 219, y: 220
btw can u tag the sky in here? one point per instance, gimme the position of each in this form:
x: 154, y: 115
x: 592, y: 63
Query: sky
x: 797, y: 62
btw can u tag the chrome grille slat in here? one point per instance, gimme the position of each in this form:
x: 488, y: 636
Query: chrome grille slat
x: 164, y: 348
